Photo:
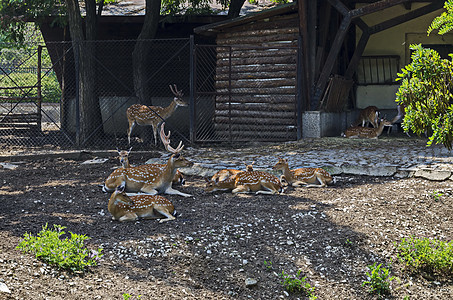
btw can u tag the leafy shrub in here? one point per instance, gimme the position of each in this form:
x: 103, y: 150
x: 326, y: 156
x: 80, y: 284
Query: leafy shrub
x: 422, y: 254
x: 68, y: 254
x: 378, y: 280
x: 298, y: 284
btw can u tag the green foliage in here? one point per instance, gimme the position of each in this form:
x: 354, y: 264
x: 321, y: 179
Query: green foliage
x: 436, y: 195
x: 127, y: 296
x: 433, y: 257
x: 50, y: 88
x: 298, y: 284
x: 378, y: 280
x: 68, y: 254
x: 268, y: 265
x: 444, y: 22
x: 426, y: 92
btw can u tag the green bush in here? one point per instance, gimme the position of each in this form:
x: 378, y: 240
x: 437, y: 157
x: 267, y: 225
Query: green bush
x: 50, y: 88
x: 298, y: 284
x: 425, y: 255
x: 68, y: 254
x: 378, y: 280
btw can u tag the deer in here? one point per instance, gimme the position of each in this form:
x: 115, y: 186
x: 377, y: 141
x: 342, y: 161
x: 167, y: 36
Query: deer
x: 309, y: 177
x: 144, y: 115
x: 257, y: 182
x: 151, y: 178
x: 368, y: 115
x: 230, y: 173
x: 366, y: 132
x: 131, y: 208
x: 123, y: 156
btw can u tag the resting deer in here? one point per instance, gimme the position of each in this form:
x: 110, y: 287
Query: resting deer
x: 123, y: 156
x: 151, y: 178
x: 366, y: 132
x: 368, y: 115
x: 152, y: 115
x: 257, y: 182
x: 230, y: 173
x: 131, y: 208
x: 309, y: 177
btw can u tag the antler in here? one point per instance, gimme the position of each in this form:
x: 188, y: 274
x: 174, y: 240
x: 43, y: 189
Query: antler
x: 166, y: 141
x: 175, y: 91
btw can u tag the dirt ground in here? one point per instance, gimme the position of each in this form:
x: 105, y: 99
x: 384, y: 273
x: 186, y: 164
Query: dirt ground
x: 220, y: 240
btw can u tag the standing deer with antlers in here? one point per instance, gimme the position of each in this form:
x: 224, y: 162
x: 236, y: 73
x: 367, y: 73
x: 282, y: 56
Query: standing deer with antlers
x: 310, y: 177
x: 151, y: 178
x: 144, y: 115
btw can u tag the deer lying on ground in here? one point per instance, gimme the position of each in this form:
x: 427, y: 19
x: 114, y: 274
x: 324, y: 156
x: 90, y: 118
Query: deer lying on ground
x: 257, y: 182
x: 131, y: 208
x: 230, y: 173
x: 123, y: 156
x: 309, y: 177
x: 368, y: 115
x: 366, y: 132
x: 150, y: 179
x: 144, y: 115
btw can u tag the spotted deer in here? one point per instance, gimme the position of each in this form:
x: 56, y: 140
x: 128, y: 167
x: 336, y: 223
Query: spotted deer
x: 123, y: 156
x: 150, y: 179
x: 368, y: 115
x: 257, y: 182
x: 230, y: 173
x: 309, y: 177
x: 131, y: 208
x: 144, y: 115
x: 366, y: 132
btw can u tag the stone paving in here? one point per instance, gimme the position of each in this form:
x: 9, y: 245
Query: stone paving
x: 399, y: 157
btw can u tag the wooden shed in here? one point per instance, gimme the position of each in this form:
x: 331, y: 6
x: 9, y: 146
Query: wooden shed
x: 314, y: 87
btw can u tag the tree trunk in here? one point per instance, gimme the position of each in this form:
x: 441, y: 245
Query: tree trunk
x: 90, y: 114
x: 141, y: 50
x: 235, y: 8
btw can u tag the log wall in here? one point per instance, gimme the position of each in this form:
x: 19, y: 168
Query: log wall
x: 256, y: 80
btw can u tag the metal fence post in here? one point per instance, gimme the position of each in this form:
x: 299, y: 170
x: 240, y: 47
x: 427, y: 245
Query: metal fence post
x: 77, y: 92
x: 192, y: 81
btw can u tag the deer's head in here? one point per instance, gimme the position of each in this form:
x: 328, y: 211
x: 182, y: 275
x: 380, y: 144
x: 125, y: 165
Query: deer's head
x: 281, y: 164
x: 178, y: 96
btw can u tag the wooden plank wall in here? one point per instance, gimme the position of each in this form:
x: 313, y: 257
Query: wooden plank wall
x: 256, y: 80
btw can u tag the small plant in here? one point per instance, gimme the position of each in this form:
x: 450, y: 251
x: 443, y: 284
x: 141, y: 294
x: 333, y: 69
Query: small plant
x: 127, y: 296
x: 378, y: 280
x: 436, y: 195
x: 426, y: 255
x: 348, y: 242
x: 298, y: 284
x: 268, y: 265
x: 68, y: 254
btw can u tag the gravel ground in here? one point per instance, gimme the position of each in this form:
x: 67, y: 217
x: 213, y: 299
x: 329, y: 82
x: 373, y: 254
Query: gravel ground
x: 221, y: 241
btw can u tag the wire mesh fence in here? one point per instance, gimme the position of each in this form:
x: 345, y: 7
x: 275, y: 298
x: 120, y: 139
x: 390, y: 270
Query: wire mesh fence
x: 72, y: 96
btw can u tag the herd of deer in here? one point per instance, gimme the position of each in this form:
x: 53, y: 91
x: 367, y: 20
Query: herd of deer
x: 136, y: 190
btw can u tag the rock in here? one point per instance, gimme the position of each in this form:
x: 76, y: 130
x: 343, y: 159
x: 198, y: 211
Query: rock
x: 369, y: 170
x: 435, y: 175
x: 249, y: 282
x: 4, y: 288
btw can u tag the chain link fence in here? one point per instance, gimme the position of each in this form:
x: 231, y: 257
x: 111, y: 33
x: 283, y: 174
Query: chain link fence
x: 235, y: 94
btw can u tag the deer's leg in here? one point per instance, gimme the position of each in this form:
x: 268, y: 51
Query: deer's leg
x: 149, y: 190
x: 267, y: 190
x: 164, y: 211
x: 155, y: 133
x: 129, y: 132
x: 319, y: 178
x: 172, y: 191
x: 241, y: 189
x: 298, y: 183
x: 129, y: 216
